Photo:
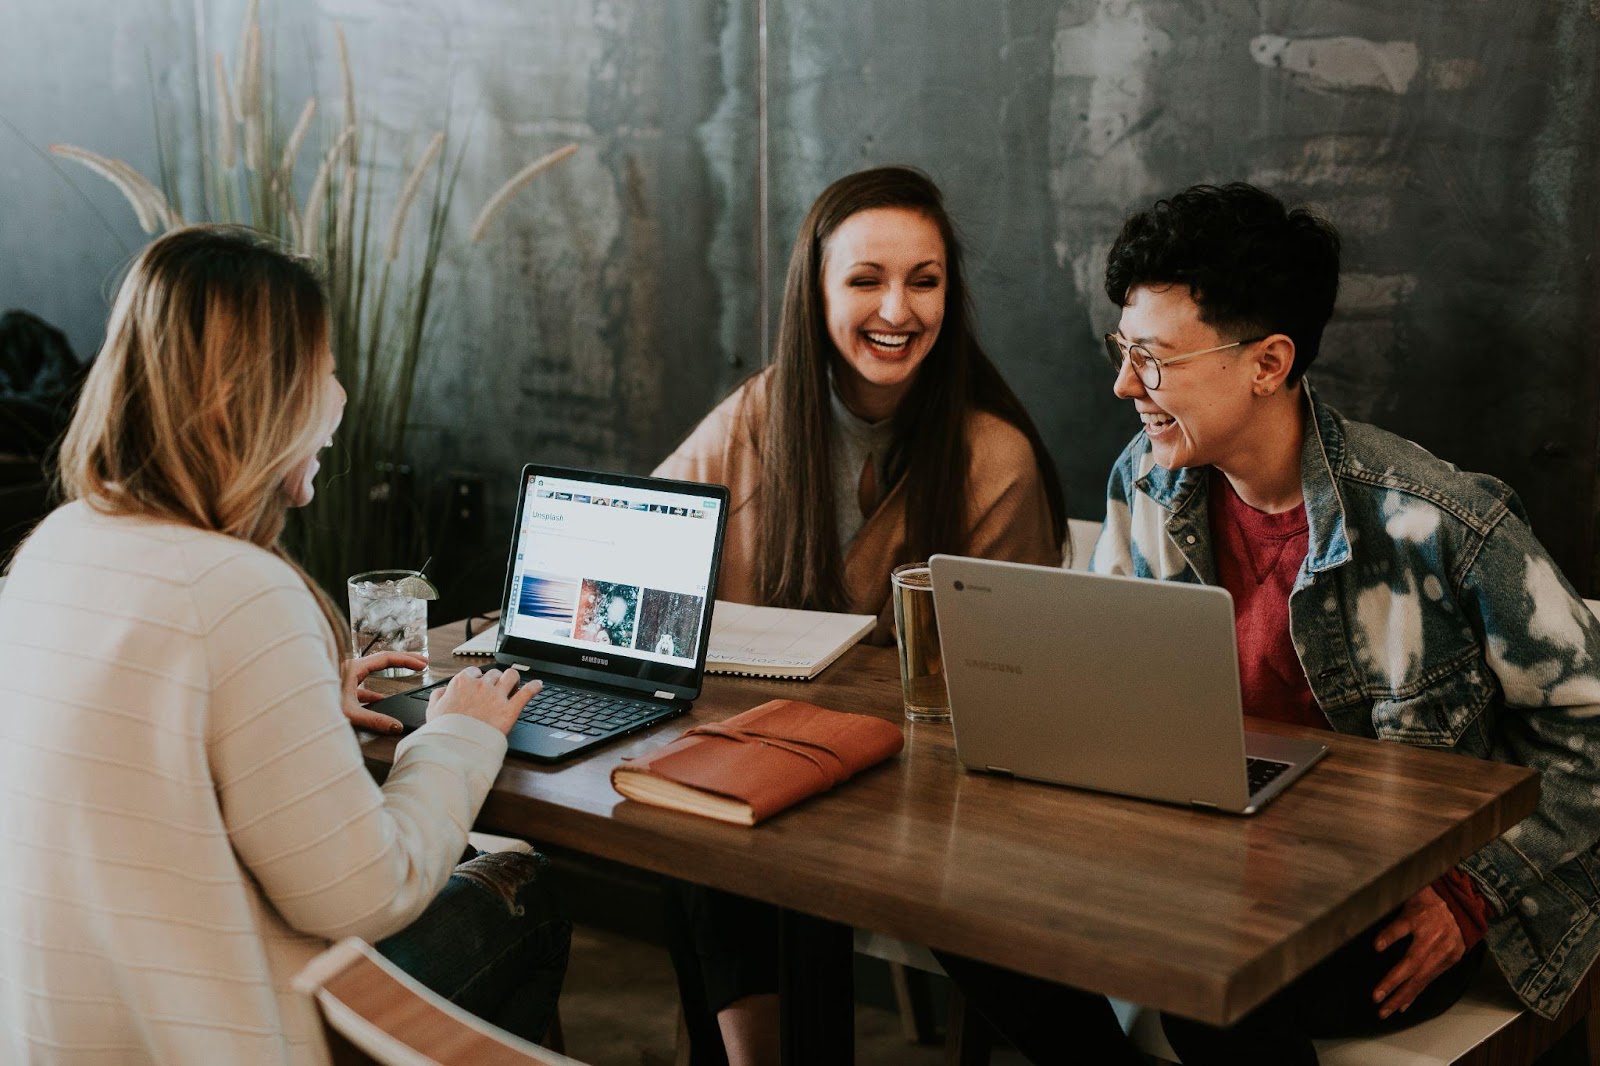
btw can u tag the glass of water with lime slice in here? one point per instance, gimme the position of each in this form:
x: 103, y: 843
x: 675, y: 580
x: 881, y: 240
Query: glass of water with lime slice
x: 389, y: 612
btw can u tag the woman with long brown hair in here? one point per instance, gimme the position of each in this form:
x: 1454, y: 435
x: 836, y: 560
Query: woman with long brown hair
x: 880, y: 434
x: 185, y: 818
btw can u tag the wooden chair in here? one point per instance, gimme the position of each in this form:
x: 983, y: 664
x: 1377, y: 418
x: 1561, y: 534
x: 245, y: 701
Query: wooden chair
x: 374, y: 1013
x: 488, y: 842
x: 1081, y: 536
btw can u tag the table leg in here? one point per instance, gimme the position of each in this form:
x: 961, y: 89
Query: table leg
x: 816, y: 986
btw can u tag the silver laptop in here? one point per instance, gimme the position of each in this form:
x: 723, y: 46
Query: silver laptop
x: 1117, y: 684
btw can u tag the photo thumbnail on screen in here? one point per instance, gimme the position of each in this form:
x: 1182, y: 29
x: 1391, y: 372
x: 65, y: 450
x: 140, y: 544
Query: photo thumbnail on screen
x: 669, y: 623
x: 607, y: 613
x: 547, y: 605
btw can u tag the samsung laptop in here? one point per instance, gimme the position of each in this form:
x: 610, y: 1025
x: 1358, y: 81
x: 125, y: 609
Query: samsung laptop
x: 1117, y: 684
x: 607, y: 600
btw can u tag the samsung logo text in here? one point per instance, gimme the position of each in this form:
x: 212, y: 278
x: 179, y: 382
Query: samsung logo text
x: 994, y: 667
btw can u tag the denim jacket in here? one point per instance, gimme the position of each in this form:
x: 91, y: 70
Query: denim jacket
x: 1426, y: 612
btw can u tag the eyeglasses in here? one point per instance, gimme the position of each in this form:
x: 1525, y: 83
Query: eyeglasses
x: 1147, y: 366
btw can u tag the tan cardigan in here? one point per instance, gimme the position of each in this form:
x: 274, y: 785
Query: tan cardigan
x: 1007, y: 509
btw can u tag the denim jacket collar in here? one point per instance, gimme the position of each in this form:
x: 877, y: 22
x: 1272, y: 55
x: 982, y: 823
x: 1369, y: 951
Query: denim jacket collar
x: 1182, y: 491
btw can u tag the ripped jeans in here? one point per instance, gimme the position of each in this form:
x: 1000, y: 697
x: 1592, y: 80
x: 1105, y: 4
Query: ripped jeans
x: 492, y: 943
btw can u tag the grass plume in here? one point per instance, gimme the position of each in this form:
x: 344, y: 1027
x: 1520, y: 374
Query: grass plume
x: 311, y: 222
x: 149, y: 205
x: 227, y: 116
x: 408, y: 193
x: 250, y: 102
x: 291, y: 149
x: 506, y: 192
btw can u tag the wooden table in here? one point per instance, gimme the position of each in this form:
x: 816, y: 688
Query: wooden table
x: 1200, y: 914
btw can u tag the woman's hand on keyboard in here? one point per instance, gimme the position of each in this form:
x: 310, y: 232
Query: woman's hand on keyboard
x: 488, y: 697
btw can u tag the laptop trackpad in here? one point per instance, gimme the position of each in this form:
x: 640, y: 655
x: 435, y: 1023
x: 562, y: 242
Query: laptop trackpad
x: 1282, y: 749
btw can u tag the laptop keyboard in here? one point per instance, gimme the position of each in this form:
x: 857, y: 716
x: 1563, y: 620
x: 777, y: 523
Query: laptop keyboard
x: 1262, y: 772
x: 577, y: 710
x: 581, y: 711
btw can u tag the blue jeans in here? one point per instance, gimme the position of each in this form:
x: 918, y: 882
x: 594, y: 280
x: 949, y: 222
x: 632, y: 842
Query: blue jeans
x: 492, y: 943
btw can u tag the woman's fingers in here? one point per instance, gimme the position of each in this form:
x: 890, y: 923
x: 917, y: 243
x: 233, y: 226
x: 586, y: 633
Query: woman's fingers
x: 373, y: 722
x: 366, y: 665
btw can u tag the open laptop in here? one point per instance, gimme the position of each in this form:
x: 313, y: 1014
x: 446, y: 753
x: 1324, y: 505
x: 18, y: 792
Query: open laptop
x: 1117, y: 684
x: 607, y: 600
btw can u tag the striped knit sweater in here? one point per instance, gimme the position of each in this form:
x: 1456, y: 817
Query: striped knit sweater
x: 184, y: 814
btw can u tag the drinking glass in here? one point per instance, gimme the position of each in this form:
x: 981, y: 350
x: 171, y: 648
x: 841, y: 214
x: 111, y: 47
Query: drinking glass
x: 917, y: 635
x: 386, y: 617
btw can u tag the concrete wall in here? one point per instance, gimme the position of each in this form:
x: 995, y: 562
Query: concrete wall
x: 1451, y: 140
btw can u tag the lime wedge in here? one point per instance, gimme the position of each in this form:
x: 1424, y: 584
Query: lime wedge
x: 417, y: 587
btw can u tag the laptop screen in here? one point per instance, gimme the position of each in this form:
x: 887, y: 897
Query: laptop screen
x: 613, y: 575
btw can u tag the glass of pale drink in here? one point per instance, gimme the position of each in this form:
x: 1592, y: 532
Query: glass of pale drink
x: 917, y: 635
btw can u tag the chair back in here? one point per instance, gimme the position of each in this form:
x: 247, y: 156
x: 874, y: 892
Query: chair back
x: 374, y: 1012
x: 1081, y: 536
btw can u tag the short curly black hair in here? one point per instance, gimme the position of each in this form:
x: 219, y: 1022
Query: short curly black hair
x: 1253, y: 267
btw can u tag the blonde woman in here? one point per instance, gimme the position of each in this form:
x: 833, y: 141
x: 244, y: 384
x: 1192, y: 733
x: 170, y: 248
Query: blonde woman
x: 185, y: 818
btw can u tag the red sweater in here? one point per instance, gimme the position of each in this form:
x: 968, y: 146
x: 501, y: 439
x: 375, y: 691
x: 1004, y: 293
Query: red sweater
x: 1258, y: 557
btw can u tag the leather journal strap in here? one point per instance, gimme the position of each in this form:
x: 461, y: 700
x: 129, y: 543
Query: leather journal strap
x: 832, y: 770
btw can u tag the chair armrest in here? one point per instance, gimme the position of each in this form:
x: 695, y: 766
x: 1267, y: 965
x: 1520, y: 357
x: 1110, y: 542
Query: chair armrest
x: 391, y: 1017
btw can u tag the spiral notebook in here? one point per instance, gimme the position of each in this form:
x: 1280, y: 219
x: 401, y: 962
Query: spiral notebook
x: 755, y: 641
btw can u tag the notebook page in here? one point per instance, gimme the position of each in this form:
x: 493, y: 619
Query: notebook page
x: 745, y: 635
x: 485, y: 643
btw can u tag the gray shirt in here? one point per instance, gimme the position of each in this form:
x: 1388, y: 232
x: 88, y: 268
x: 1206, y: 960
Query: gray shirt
x: 854, y: 442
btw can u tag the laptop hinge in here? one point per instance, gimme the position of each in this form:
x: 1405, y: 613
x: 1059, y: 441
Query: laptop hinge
x: 660, y: 695
x: 999, y: 770
x: 1203, y: 804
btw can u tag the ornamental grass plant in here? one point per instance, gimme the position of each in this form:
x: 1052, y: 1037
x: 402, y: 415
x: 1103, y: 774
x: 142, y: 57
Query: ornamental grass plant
x: 380, y: 269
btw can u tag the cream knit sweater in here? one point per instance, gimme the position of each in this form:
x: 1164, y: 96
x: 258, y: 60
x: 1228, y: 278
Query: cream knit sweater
x: 184, y: 814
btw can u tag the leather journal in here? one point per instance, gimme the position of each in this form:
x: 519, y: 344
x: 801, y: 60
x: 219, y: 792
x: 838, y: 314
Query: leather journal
x: 758, y: 762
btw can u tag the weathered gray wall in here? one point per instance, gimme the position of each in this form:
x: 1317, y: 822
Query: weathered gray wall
x: 75, y: 71
x: 1453, y: 141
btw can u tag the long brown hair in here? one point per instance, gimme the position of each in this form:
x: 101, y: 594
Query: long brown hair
x: 207, y: 390
x: 802, y: 562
